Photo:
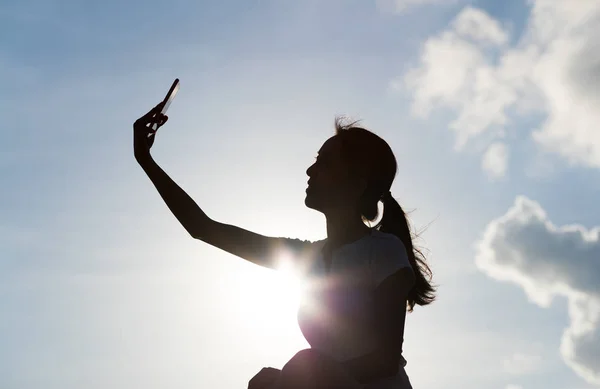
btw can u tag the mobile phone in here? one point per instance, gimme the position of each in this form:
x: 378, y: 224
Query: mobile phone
x: 170, y: 96
x: 168, y: 99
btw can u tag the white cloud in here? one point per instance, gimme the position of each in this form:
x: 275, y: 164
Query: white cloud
x: 475, y: 24
x: 520, y: 364
x: 525, y: 248
x: 553, y: 70
x: 456, y: 72
x: 495, y: 160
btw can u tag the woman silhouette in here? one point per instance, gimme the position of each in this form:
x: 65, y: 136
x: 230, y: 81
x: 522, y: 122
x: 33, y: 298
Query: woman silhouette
x: 363, y: 278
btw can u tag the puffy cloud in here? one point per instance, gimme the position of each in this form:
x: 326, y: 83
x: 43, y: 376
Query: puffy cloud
x: 495, y: 160
x: 479, y: 26
x: 552, y: 70
x: 457, y: 72
x: 525, y: 248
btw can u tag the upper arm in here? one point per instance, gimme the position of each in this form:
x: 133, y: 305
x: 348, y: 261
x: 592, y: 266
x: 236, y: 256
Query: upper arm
x: 394, y: 278
x: 389, y: 264
x: 393, y: 289
x: 259, y: 249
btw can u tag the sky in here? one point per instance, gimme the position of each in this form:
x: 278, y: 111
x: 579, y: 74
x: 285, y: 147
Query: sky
x: 489, y: 106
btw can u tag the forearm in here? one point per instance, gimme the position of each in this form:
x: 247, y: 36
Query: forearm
x: 183, y: 207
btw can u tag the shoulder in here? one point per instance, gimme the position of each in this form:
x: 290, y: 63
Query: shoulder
x: 386, y: 245
x: 387, y: 255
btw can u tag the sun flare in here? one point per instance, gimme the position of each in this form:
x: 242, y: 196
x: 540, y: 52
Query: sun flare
x: 292, y: 284
x: 269, y: 300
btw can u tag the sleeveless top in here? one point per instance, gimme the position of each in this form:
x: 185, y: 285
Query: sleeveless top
x: 336, y: 314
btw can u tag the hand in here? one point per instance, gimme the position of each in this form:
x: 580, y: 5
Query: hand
x: 264, y: 378
x: 144, y: 131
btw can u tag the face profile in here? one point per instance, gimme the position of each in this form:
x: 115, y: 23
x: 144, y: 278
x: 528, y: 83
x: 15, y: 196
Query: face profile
x: 330, y: 184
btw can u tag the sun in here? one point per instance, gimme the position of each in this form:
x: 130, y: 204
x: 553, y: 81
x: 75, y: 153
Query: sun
x: 291, y: 284
x: 268, y: 299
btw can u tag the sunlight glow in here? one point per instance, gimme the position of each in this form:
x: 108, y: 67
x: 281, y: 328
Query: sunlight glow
x: 265, y: 305
x: 292, y: 284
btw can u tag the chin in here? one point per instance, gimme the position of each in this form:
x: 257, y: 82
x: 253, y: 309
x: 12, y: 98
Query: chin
x: 307, y: 202
x: 310, y: 202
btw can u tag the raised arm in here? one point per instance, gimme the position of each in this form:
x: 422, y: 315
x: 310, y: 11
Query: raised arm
x: 259, y: 249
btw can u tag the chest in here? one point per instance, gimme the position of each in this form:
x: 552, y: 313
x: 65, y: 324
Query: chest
x: 340, y: 284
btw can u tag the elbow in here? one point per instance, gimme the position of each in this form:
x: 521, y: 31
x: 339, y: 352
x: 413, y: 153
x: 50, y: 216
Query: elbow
x: 198, y: 231
x: 201, y: 228
x: 391, y: 360
x: 393, y: 368
x: 195, y: 233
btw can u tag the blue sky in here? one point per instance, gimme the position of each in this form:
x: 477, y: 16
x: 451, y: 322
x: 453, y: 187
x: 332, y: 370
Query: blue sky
x: 99, y: 285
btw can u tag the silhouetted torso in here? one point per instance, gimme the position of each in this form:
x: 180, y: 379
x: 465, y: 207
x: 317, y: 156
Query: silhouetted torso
x: 337, y: 314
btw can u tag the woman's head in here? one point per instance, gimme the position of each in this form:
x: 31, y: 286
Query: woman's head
x: 355, y: 170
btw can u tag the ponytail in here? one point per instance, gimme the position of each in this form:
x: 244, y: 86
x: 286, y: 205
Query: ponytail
x: 371, y: 157
x: 394, y: 221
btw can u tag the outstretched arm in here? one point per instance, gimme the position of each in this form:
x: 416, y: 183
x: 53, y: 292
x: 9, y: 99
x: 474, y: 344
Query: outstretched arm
x: 256, y: 248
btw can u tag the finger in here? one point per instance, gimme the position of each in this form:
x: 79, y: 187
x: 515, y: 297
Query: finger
x: 159, y: 120
x: 151, y: 139
x: 150, y: 136
x: 153, y: 112
x: 150, y: 126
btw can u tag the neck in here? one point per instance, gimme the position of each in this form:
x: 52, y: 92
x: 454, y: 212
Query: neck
x: 344, y: 227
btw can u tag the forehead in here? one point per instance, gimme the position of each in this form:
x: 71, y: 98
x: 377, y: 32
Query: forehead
x: 331, y: 146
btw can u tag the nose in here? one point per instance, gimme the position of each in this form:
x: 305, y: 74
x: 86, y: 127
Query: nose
x: 310, y: 170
